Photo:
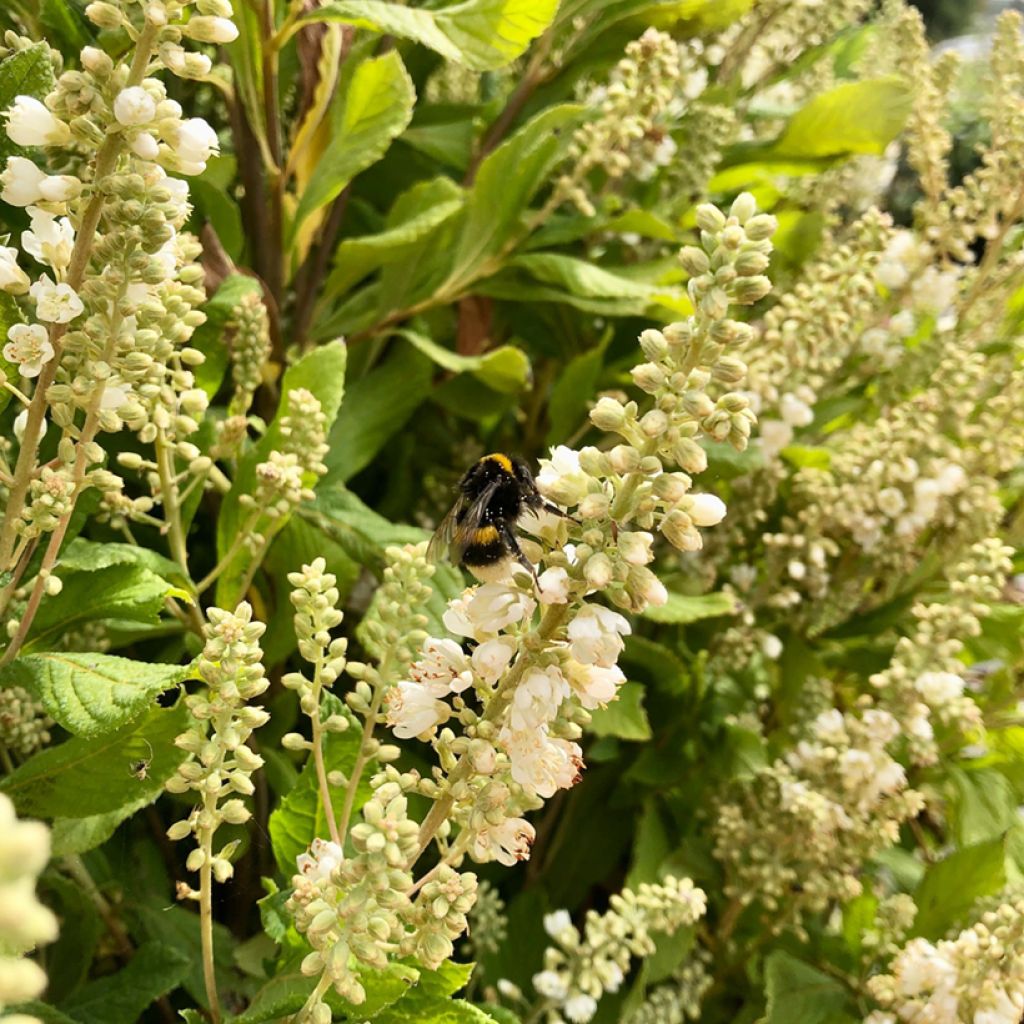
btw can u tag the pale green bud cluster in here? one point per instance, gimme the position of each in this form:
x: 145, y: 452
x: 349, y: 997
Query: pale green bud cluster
x: 250, y: 350
x: 488, y: 923
x: 580, y: 968
x: 628, y: 132
x: 439, y: 916
x: 24, y: 922
x: 679, y: 1000
x: 220, y: 763
x: 795, y: 836
x: 24, y: 723
x: 353, y: 912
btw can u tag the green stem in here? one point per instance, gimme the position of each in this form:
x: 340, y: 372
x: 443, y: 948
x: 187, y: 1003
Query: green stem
x: 318, y: 755
x: 206, y: 912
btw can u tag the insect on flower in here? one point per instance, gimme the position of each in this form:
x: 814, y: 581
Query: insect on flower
x: 479, y: 530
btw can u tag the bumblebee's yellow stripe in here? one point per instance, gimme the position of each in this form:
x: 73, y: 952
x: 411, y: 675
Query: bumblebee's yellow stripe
x: 502, y: 460
x: 485, y: 535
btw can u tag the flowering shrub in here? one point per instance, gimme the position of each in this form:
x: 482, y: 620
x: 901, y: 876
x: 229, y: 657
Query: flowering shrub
x: 742, y: 282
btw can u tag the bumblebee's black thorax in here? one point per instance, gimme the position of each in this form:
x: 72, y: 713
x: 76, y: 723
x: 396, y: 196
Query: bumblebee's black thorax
x: 495, y: 474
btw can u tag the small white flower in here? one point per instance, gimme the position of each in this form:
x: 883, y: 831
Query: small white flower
x: 485, y: 610
x: 506, y: 843
x: 551, y: 985
x: 542, y: 764
x: 194, y: 144
x: 134, y: 106
x: 553, y: 586
x: 557, y: 922
x: 771, y: 646
x: 706, y: 509
x: 29, y: 123
x: 323, y: 857
x: 594, y: 685
x: 29, y: 347
x: 21, y: 421
x: 12, y: 278
x: 938, y: 688
x: 414, y: 709
x: 797, y: 570
x: 145, y: 146
x: 537, y: 698
x: 580, y: 1008
x: 509, y: 989
x: 491, y: 658
x: 49, y: 240
x: 55, y: 303
x: 795, y: 412
x: 935, y: 290
x: 891, y: 501
x: 114, y: 396
x: 21, y: 180
x: 903, y: 324
x: 774, y: 436
x: 443, y: 662
x: 595, y: 635
x: 635, y: 546
x: 560, y: 478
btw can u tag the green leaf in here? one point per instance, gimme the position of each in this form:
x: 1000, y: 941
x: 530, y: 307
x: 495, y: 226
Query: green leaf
x: 986, y: 805
x: 79, y: 835
x: 482, y: 34
x: 579, y: 277
x: 322, y: 372
x: 506, y: 369
x: 155, y: 970
x: 376, y: 108
x: 91, y: 694
x: 69, y: 958
x: 505, y: 183
x: 952, y: 886
x: 25, y: 72
x: 650, y: 847
x: 800, y: 994
x: 430, y: 1002
x: 83, y: 555
x: 301, y: 818
x: 684, y: 608
x: 127, y: 592
x: 660, y: 664
x: 376, y: 408
x: 285, y: 994
x: 414, y: 215
x: 47, y: 1014
x: 855, y: 117
x: 86, y: 777
x: 65, y: 22
x: 573, y: 390
x: 209, y: 337
x: 624, y: 717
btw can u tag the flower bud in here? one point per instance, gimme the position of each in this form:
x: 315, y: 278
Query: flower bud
x: 694, y: 260
x: 648, y: 377
x: 608, y: 414
x: 744, y: 206
x: 706, y: 509
x: 624, y: 459
x: 690, y: 456
x: 748, y: 290
x: 654, y: 423
x: 209, y: 29
x: 104, y: 15
x: 761, y: 227
x: 710, y: 218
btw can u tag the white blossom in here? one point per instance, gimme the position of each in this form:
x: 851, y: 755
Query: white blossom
x: 706, y: 509
x: 134, y: 106
x: 553, y: 586
x: 506, y: 843
x: 540, y: 763
x: 443, y: 662
x: 561, y: 479
x: 12, y: 278
x: 194, y: 143
x: 537, y: 698
x: 29, y: 347
x: 595, y: 635
x: 485, y: 610
x: 491, y: 658
x: 594, y: 685
x: 29, y: 123
x: 50, y: 239
x: 55, y: 303
x: 414, y: 708
x: 323, y: 857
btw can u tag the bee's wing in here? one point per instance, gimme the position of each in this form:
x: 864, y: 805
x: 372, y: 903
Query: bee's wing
x: 456, y: 531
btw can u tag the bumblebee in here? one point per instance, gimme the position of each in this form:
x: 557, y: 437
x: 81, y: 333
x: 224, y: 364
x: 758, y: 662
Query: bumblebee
x: 479, y: 530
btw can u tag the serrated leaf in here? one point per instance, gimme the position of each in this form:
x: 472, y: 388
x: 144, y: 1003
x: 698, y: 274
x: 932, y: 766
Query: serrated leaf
x: 798, y: 993
x: 482, y: 34
x: 376, y: 108
x: 121, y: 591
x: 624, y: 717
x: 301, y: 817
x: 683, y: 608
x: 430, y: 1002
x: 155, y: 970
x: 25, y: 72
x: 91, y: 694
x: 952, y: 886
x: 86, y: 777
x: 83, y: 555
x: 855, y: 117
x: 79, y: 835
x: 986, y: 805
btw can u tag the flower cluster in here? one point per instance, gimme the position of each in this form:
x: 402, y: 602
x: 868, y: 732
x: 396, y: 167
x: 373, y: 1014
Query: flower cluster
x: 976, y: 976
x: 220, y: 764
x: 680, y: 998
x: 250, y: 351
x: 580, y: 968
x: 24, y: 922
x: 24, y: 724
x: 798, y: 832
x: 629, y: 132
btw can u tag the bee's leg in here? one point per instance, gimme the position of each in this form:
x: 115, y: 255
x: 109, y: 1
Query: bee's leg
x: 555, y: 510
x: 517, y: 552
